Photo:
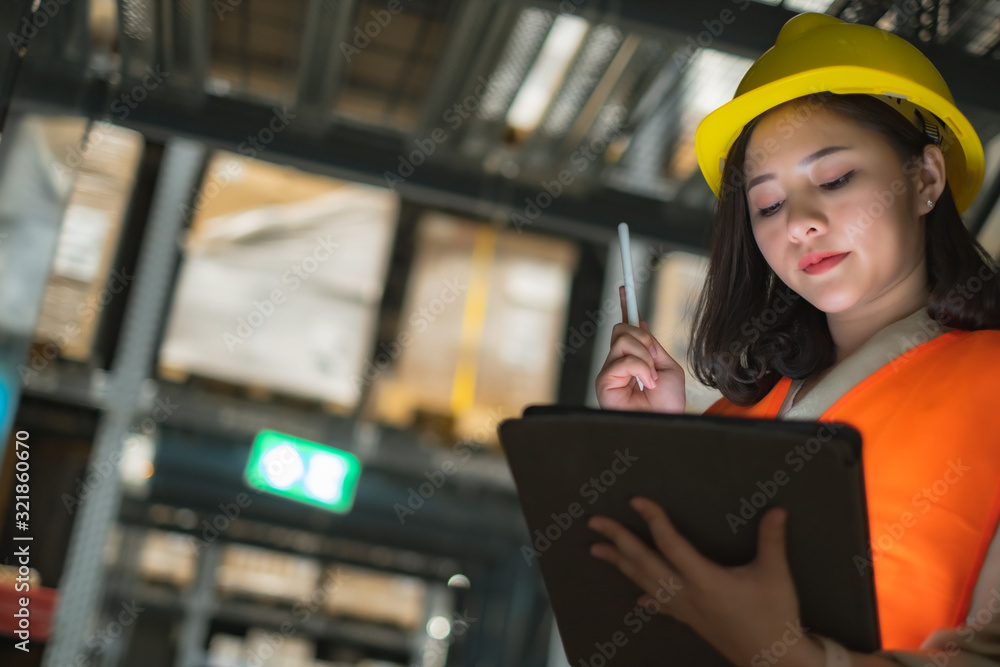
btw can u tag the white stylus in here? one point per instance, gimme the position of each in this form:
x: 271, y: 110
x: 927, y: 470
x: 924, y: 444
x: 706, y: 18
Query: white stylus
x: 631, y: 308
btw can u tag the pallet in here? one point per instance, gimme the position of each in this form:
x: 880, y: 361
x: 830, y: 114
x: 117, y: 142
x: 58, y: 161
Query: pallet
x: 252, y: 393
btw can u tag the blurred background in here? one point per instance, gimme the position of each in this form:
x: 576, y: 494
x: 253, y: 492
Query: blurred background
x: 272, y: 272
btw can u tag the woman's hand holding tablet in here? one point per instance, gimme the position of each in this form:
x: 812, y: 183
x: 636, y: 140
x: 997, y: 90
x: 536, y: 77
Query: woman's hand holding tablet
x: 739, y: 610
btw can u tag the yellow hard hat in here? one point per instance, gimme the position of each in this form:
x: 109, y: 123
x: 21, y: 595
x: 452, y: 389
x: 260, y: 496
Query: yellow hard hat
x: 817, y: 52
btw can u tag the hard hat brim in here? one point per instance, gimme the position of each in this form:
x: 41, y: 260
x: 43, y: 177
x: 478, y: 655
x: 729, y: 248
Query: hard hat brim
x: 963, y: 151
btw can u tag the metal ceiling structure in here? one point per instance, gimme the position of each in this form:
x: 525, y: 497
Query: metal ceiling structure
x: 419, y: 94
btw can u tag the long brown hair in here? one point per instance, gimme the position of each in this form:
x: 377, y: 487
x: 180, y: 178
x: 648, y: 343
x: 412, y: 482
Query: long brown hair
x: 750, y: 328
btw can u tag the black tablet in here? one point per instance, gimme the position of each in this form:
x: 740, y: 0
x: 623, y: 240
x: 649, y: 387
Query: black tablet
x: 715, y: 477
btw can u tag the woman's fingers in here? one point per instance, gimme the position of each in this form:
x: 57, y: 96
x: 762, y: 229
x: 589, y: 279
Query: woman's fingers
x: 613, y: 555
x: 644, y: 334
x: 665, y: 600
x: 627, y: 345
x: 771, y: 551
x: 621, y: 370
x: 671, y: 543
x: 662, y: 357
x: 630, y: 554
x: 627, y: 330
x: 636, y: 354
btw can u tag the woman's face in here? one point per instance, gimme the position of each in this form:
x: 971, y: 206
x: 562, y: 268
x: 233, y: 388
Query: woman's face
x: 817, y: 182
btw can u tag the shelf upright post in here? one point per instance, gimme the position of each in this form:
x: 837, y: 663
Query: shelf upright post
x: 199, y: 607
x: 83, y: 581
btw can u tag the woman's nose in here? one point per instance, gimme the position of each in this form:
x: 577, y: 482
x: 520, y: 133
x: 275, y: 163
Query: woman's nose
x: 806, y: 218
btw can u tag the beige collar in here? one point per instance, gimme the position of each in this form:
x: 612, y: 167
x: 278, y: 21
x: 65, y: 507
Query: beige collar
x: 882, y: 348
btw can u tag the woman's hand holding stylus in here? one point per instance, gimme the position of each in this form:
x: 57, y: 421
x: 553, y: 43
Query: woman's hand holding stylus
x: 636, y: 353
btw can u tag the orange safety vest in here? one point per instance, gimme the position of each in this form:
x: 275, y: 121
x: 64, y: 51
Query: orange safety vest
x: 930, y: 426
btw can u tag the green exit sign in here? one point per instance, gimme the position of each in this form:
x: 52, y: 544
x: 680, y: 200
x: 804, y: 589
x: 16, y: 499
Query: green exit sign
x: 304, y: 471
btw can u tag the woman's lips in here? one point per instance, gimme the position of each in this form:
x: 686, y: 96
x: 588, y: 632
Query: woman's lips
x: 825, y: 265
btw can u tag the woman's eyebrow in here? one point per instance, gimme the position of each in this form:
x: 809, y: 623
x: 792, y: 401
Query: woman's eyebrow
x: 756, y: 180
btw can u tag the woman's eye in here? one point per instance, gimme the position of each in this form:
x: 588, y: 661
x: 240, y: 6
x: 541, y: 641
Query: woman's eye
x: 832, y: 185
x: 840, y: 182
x: 764, y: 212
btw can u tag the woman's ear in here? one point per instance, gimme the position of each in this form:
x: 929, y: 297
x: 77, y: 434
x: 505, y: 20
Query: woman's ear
x: 930, y: 180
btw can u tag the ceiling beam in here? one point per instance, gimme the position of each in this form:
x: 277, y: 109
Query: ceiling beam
x: 752, y: 28
x: 366, y: 155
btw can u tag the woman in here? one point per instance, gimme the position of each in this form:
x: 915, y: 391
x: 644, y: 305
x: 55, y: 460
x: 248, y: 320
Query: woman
x: 842, y: 286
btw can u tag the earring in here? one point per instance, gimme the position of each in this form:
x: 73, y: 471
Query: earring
x: 930, y: 204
